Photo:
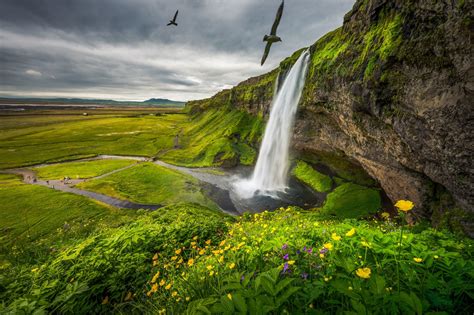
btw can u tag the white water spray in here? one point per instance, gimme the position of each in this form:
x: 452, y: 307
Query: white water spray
x: 271, y: 171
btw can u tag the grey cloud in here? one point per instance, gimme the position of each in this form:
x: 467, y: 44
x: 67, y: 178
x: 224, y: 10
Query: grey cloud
x: 122, y: 49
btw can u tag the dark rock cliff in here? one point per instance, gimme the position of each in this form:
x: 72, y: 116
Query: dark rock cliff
x: 393, y: 90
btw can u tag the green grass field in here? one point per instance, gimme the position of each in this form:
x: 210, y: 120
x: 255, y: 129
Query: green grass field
x: 61, y: 139
x: 84, y: 169
x: 150, y: 184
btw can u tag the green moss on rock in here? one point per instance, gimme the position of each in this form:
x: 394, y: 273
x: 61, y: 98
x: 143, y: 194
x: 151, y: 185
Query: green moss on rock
x: 352, y: 201
x: 317, y: 181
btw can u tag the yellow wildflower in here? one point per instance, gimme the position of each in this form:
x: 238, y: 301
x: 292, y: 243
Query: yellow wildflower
x: 105, y: 300
x: 154, y: 288
x: 291, y: 262
x: 404, y: 205
x: 329, y: 246
x: 210, y: 267
x: 162, y: 283
x: 232, y: 266
x: 365, y: 244
x: 174, y: 294
x: 178, y: 251
x: 180, y: 261
x: 229, y: 296
x: 153, y: 280
x: 168, y: 286
x: 321, y: 255
x: 174, y: 257
x: 222, y: 243
x: 363, y: 273
x: 211, y: 273
x: 351, y: 232
x: 221, y: 259
x: 195, y: 238
x: 202, y: 252
x: 188, y: 298
x: 418, y: 260
x: 190, y: 262
x: 208, y: 242
x: 129, y: 296
x: 335, y: 237
x: 193, y: 243
x: 155, y: 257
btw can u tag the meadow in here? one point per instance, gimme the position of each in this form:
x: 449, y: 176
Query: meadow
x: 64, y: 253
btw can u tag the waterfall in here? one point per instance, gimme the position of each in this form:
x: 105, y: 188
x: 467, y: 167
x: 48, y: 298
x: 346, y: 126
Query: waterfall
x: 271, y: 171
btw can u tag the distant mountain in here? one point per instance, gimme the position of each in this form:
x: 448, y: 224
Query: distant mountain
x: 159, y: 102
x: 163, y: 101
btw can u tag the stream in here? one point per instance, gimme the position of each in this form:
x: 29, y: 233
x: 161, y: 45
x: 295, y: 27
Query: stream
x: 217, y: 184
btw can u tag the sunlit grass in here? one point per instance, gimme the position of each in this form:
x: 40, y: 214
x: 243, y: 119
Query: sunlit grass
x: 85, y: 169
x: 150, y: 184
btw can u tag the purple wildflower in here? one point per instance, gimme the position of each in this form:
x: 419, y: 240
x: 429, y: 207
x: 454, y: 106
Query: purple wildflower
x: 304, y: 249
x: 242, y: 278
x: 298, y: 252
x: 324, y: 250
x: 285, y: 246
x: 286, y: 257
x: 285, y: 267
x: 309, y: 250
x: 304, y: 275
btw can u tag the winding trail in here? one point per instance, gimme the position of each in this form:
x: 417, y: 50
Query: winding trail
x: 29, y: 177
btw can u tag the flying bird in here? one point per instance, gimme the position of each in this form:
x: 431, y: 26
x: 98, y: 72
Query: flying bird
x: 173, y: 21
x: 273, y: 38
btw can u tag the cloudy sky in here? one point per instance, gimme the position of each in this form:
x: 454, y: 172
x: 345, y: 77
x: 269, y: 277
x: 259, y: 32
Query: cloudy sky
x: 122, y: 49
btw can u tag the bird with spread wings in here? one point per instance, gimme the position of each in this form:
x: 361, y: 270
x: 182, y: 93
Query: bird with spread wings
x: 173, y: 21
x: 272, y: 38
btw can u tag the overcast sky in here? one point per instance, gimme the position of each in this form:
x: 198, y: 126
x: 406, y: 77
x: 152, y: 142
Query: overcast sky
x: 122, y: 49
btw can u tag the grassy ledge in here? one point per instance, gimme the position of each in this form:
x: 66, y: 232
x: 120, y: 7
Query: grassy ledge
x: 317, y: 181
x: 351, y: 201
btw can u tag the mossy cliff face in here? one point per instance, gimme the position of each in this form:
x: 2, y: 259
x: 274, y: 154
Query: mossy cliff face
x: 390, y: 89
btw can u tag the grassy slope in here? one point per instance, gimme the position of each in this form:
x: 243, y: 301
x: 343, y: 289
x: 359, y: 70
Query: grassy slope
x: 62, y: 140
x: 204, y: 263
x: 28, y: 212
x: 150, y: 184
x: 216, y: 136
x: 84, y: 169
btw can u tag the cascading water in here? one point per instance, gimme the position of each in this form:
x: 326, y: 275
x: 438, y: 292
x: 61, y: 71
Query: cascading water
x: 271, y: 171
